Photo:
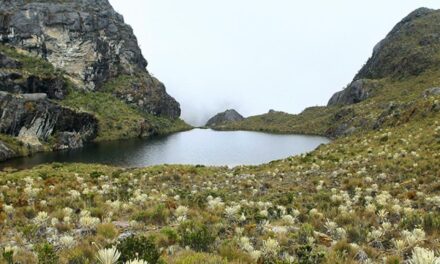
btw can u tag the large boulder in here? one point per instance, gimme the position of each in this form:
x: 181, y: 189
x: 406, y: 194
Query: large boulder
x: 435, y: 91
x: 356, y: 92
x: 225, y: 117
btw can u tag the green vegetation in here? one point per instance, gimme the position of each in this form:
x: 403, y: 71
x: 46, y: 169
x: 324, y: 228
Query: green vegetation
x: 313, y: 121
x: 120, y: 83
x: 117, y: 120
x: 15, y: 145
x: 31, y: 65
x: 141, y: 248
x: 372, y: 195
x: 409, y: 50
x: 400, y: 96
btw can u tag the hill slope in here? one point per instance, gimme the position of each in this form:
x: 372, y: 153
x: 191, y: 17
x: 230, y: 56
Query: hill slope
x: 359, y: 199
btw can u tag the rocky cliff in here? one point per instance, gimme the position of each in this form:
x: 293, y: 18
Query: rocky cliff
x: 32, y: 118
x: 90, y: 42
x: 225, y: 117
x: 59, y: 60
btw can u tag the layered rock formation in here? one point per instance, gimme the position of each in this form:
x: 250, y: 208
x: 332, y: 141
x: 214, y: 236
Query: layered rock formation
x: 90, y: 42
x: 34, y: 119
x: 225, y: 117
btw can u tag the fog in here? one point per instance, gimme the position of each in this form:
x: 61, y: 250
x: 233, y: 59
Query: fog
x: 256, y: 55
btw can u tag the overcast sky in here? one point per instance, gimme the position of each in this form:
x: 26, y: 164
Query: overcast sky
x: 256, y: 55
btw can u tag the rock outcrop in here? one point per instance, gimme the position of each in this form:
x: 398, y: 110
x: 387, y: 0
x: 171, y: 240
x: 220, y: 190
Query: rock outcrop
x: 34, y: 119
x: 225, y: 117
x: 89, y: 41
x: 435, y: 91
x: 356, y: 92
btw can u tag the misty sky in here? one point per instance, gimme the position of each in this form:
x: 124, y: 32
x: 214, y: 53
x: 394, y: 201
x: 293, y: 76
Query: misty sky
x: 256, y: 55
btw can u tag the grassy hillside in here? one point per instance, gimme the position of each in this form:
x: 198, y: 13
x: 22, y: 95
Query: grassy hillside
x: 117, y: 120
x: 389, y: 101
x: 313, y: 121
x: 372, y: 197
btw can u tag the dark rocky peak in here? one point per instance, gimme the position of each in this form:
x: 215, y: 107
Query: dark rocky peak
x: 221, y: 118
x: 409, y: 49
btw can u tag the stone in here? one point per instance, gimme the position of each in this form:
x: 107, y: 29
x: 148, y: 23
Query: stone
x: 34, y: 96
x: 361, y: 257
x: 344, y: 129
x: 225, y: 117
x: 435, y: 91
x: 125, y: 235
x: 356, y: 92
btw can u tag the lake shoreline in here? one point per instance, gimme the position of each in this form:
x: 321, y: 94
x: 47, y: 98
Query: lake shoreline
x: 206, y: 147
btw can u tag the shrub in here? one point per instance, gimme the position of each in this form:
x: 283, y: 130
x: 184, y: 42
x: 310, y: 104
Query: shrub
x: 232, y: 253
x: 82, y: 254
x: 196, y: 258
x: 8, y: 257
x: 46, y: 254
x: 140, y: 247
x: 108, y: 231
x: 304, y: 233
x: 157, y: 215
x: 306, y: 255
x: 95, y: 174
x: 171, y: 234
x: 393, y: 260
x: 196, y: 235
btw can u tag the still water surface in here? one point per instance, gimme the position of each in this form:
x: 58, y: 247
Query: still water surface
x: 198, y: 146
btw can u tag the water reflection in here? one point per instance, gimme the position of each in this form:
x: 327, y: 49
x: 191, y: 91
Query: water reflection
x: 198, y: 146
